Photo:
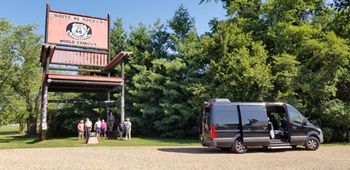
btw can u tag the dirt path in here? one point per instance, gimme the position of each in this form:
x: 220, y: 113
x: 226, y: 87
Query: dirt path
x: 337, y: 157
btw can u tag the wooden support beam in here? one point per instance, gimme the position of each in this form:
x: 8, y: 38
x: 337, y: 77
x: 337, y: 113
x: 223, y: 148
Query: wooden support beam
x: 117, y: 59
x: 122, y: 112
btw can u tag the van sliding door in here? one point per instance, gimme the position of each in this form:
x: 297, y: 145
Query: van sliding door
x: 254, y: 125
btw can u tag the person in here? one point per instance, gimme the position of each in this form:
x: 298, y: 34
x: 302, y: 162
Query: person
x: 103, y: 128
x: 81, y: 130
x: 110, y: 124
x: 121, y: 129
x: 128, y: 128
x: 110, y: 120
x: 88, y: 126
x: 97, y: 127
x: 271, y: 130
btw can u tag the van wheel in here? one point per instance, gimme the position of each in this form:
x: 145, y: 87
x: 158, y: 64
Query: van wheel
x: 312, y: 143
x: 238, y: 146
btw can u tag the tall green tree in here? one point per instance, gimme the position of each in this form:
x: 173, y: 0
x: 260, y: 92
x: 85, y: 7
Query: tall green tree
x: 160, y: 86
x: 20, y: 69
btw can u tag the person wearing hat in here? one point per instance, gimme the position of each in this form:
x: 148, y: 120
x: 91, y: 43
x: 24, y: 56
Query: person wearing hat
x: 128, y: 128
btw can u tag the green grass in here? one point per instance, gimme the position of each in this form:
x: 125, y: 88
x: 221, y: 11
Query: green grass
x: 10, y: 138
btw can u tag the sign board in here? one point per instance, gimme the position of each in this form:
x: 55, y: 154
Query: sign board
x: 77, y: 30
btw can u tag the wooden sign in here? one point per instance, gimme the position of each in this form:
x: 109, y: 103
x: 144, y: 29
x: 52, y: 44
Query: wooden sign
x: 76, y: 30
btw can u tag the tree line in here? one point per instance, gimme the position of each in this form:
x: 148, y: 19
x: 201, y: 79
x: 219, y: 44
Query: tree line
x: 292, y: 51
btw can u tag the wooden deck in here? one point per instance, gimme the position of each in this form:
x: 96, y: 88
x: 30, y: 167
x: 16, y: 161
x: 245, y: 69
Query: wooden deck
x: 78, y: 83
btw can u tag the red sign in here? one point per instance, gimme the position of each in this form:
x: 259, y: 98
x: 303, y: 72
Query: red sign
x: 77, y: 30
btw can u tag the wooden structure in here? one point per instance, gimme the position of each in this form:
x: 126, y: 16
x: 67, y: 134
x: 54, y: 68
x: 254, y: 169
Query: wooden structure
x: 76, y: 58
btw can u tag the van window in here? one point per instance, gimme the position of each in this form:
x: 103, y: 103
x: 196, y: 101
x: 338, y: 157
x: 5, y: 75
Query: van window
x: 224, y: 116
x: 253, y: 116
x: 294, y: 114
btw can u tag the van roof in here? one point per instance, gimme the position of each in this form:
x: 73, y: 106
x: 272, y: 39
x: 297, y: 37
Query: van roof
x: 245, y: 103
x: 219, y: 100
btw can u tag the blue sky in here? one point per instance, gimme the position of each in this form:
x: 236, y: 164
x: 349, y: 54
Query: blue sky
x: 132, y: 12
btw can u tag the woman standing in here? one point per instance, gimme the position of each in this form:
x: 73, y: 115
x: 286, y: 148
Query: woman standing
x: 103, y: 128
x: 80, y: 128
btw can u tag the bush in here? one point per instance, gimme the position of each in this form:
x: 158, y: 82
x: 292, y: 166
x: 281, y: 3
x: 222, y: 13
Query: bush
x: 327, y: 134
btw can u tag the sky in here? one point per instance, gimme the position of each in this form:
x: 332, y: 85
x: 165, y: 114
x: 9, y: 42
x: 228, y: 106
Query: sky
x: 132, y: 12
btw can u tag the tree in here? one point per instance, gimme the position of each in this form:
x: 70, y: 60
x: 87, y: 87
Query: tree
x: 20, y: 48
x: 181, y: 23
x: 340, y: 24
x: 118, y: 37
x: 160, y: 86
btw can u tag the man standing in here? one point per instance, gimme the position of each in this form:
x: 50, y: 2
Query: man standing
x: 110, y: 121
x: 128, y: 128
x: 97, y: 127
x: 88, y: 126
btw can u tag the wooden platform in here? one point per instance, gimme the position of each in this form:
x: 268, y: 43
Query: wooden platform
x: 78, y: 83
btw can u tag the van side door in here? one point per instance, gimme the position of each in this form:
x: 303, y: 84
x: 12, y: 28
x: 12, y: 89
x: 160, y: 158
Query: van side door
x: 254, y: 125
x: 297, y: 131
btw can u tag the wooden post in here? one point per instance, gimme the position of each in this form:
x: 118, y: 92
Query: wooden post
x: 122, y: 112
x: 109, y: 59
x: 43, y: 120
x: 44, y: 98
x: 47, y: 21
x: 108, y: 99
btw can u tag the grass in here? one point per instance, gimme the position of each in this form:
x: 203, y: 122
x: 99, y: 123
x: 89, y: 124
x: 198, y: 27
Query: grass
x: 335, y: 144
x: 10, y: 138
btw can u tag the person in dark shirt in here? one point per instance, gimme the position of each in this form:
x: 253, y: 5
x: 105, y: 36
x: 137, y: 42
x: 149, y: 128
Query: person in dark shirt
x: 110, y: 123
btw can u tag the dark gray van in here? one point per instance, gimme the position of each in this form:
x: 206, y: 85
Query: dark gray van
x: 238, y: 125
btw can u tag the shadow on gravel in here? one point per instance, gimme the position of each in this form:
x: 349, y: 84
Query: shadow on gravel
x: 219, y: 151
x: 193, y: 150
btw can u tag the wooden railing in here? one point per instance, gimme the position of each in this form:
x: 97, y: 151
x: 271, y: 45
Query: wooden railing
x: 75, y: 57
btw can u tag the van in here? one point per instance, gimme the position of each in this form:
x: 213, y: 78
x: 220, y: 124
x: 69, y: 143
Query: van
x: 238, y: 125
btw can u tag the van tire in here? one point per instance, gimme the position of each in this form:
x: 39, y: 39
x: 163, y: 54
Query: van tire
x: 238, y: 146
x: 312, y: 143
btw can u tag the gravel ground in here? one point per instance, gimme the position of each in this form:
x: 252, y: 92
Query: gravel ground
x: 337, y: 157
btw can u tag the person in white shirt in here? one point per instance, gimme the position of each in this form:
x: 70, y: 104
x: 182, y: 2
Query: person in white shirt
x: 97, y: 127
x: 127, y: 125
x: 88, y: 126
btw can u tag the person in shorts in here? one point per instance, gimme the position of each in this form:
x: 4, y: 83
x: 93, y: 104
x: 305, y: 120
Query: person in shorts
x: 127, y: 125
x: 80, y: 128
x: 98, y: 127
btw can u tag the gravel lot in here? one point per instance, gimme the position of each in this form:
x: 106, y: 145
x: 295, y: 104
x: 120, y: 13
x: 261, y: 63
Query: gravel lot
x: 337, y: 157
